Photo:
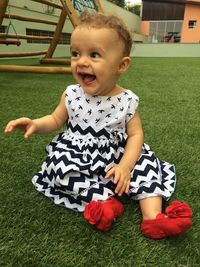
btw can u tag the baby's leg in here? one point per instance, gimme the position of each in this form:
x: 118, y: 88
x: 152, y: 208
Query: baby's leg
x: 151, y: 207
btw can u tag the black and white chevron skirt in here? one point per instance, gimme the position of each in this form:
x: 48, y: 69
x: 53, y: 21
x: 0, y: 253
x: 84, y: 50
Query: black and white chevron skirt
x: 78, y: 158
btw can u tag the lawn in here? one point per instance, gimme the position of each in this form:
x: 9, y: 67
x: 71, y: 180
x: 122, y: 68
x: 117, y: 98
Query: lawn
x: 35, y: 232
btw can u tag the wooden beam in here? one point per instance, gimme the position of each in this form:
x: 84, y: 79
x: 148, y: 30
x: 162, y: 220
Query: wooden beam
x: 57, y: 34
x: 23, y: 18
x: 71, y: 12
x: 100, y: 8
x: 55, y: 61
x: 27, y: 37
x: 35, y: 69
x: 48, y: 3
x: 3, y: 6
x: 22, y: 54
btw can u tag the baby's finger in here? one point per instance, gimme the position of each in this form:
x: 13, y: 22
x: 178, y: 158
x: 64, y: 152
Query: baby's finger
x: 127, y: 187
x: 122, y: 190
x: 30, y: 129
x: 110, y: 173
x: 21, y: 122
x: 28, y: 133
x: 117, y: 178
x: 120, y: 185
x: 14, y: 124
x: 9, y: 127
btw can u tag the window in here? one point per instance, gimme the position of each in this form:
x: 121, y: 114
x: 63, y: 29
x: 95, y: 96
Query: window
x: 64, y: 37
x: 165, y: 31
x: 192, y: 24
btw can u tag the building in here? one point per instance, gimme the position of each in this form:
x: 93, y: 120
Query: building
x: 171, y: 21
x: 36, y: 36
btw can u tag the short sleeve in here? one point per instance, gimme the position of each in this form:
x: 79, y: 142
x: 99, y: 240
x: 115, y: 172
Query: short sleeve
x: 133, y: 102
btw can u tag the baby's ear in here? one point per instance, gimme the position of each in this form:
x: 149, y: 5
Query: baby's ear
x: 124, y: 64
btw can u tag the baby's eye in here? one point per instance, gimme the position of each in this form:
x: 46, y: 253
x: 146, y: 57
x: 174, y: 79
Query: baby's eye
x: 75, y: 54
x: 95, y: 55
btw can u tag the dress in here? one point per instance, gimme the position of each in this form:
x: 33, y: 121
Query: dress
x: 78, y: 158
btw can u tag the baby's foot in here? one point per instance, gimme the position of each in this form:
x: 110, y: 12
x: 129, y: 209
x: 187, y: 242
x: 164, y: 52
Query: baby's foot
x: 103, y: 213
x: 175, y: 221
x: 163, y: 226
x: 115, y: 205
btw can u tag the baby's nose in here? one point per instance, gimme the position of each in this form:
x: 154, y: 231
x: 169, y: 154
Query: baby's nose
x: 83, y: 61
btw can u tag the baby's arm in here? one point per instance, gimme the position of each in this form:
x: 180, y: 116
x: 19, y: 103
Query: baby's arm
x: 122, y: 171
x: 44, y: 124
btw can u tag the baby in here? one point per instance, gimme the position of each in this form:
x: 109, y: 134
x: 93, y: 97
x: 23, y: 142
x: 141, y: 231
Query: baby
x: 101, y: 152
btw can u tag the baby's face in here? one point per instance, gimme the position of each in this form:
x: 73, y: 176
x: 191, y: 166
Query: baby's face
x: 96, y: 56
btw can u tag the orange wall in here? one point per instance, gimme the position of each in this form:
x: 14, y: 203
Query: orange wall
x: 192, y: 12
x: 144, y: 27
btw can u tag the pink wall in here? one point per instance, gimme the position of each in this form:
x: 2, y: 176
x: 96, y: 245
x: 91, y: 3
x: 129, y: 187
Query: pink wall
x: 192, y: 12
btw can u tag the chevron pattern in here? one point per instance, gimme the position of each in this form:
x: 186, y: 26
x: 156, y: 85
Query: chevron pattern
x: 77, y: 159
x: 76, y: 199
x: 152, y: 176
x: 73, y: 188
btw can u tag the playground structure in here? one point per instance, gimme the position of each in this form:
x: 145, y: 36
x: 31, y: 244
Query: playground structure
x: 67, y: 8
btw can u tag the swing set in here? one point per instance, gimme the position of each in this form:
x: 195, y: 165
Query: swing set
x: 10, y: 42
x: 70, y: 8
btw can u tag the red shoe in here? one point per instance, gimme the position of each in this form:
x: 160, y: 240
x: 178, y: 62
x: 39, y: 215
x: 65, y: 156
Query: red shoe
x: 163, y: 226
x: 103, y: 213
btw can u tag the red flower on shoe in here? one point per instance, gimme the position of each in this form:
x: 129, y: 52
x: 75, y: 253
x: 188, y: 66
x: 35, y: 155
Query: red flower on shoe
x: 178, y: 209
x: 93, y: 212
x: 107, y: 219
x: 103, y: 213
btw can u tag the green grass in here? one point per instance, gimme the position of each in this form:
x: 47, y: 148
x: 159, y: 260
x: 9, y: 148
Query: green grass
x: 35, y: 232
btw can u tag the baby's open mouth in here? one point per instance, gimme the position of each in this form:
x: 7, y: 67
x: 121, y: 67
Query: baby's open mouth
x: 87, y: 78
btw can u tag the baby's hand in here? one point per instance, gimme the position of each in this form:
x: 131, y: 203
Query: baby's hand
x: 25, y: 124
x: 122, y: 177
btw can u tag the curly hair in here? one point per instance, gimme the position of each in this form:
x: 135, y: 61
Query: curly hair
x: 101, y: 20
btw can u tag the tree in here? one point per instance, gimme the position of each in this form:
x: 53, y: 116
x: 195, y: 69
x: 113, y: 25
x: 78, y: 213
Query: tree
x: 120, y: 3
x: 134, y: 9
